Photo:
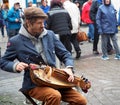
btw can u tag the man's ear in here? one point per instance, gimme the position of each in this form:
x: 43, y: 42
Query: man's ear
x: 29, y: 24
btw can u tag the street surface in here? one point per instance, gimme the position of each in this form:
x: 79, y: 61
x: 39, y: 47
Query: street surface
x: 104, y: 77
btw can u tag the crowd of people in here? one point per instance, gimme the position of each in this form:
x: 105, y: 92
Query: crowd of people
x: 32, y: 33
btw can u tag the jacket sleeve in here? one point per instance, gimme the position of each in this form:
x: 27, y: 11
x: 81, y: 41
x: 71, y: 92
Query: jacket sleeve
x: 98, y: 21
x: 83, y: 17
x: 11, y: 17
x: 69, y: 22
x: 93, y: 11
x: 7, y: 61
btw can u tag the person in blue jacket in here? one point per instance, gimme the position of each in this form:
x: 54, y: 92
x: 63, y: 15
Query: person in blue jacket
x: 45, y: 7
x: 35, y: 44
x: 14, y: 20
x: 107, y: 27
x: 93, y: 11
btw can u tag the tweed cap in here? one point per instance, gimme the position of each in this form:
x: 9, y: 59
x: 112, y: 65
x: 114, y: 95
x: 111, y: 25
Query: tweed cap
x: 34, y: 12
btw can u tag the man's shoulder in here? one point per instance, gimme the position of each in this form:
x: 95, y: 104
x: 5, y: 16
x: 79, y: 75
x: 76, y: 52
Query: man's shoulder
x: 50, y: 32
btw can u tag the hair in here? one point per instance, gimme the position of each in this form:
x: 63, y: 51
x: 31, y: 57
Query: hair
x: 56, y: 3
x: 31, y: 20
x: 44, y: 0
x: 16, y: 3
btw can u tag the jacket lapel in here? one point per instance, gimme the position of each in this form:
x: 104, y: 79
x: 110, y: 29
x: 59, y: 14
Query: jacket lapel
x: 28, y: 43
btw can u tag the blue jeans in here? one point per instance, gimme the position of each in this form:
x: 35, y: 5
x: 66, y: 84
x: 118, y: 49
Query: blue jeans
x: 91, y: 31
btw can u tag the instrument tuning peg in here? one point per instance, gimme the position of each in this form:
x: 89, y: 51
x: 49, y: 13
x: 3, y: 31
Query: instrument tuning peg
x: 82, y: 76
x: 86, y: 80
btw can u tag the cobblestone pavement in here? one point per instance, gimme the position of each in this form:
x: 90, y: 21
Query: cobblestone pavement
x: 104, y: 76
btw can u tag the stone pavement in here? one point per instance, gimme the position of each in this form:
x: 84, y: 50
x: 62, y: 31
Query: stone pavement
x: 104, y: 76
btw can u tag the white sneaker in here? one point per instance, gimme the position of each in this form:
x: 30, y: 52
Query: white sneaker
x: 104, y: 57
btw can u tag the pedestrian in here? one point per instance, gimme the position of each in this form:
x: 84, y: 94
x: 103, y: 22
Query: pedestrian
x: 74, y: 13
x: 34, y: 41
x: 4, y: 10
x: 1, y: 23
x: 86, y: 19
x: 45, y: 7
x: 93, y: 11
x: 30, y: 4
x: 107, y: 25
x: 14, y: 20
x: 60, y: 22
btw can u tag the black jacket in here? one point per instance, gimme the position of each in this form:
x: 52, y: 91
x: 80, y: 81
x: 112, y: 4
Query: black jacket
x: 59, y: 21
x: 93, y: 10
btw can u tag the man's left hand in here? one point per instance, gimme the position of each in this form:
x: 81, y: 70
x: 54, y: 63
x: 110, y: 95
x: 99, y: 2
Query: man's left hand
x: 70, y: 73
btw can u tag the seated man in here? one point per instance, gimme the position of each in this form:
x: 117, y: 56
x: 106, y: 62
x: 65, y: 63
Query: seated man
x: 34, y: 40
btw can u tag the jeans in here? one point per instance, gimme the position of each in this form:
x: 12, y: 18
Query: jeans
x: 91, y: 31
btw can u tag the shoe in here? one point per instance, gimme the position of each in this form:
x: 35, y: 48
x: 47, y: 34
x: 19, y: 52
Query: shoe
x: 111, y: 52
x: 90, y: 40
x: 95, y: 52
x: 78, y: 54
x: 105, y: 57
x: 117, y: 57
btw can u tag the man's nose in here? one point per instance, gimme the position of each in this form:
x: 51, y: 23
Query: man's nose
x: 42, y: 25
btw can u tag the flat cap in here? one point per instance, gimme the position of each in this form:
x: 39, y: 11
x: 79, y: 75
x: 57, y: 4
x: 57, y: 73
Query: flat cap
x: 32, y: 12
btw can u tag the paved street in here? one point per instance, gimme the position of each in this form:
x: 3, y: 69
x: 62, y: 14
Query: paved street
x: 104, y: 76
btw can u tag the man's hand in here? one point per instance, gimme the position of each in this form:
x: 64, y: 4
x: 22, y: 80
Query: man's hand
x: 70, y: 73
x: 21, y: 66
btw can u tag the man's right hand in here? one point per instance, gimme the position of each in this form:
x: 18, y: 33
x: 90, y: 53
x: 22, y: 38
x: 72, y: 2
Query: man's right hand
x: 21, y: 66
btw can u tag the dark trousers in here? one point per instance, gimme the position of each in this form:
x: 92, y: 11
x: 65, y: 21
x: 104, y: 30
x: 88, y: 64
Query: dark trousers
x: 12, y: 32
x: 2, y: 30
x: 65, y: 39
x: 96, y: 40
x: 75, y: 42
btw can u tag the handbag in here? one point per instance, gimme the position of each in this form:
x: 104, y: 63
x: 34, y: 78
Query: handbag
x: 82, y: 36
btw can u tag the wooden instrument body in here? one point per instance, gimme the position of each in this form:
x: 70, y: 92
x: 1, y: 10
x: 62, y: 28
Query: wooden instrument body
x: 57, y: 79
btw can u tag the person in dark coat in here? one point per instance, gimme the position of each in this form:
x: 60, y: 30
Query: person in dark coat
x: 107, y: 27
x: 93, y: 11
x: 60, y: 22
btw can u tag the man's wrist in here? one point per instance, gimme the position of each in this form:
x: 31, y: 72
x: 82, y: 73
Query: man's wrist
x: 70, y: 67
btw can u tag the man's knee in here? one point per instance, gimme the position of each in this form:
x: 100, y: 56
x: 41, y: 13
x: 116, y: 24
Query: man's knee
x: 55, y: 95
x: 83, y: 101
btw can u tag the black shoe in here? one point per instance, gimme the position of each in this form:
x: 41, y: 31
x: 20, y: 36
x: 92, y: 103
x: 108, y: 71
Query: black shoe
x: 95, y: 52
x: 78, y: 54
x: 111, y: 52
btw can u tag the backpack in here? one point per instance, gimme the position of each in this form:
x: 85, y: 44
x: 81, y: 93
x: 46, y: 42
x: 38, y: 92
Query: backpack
x: 1, y: 19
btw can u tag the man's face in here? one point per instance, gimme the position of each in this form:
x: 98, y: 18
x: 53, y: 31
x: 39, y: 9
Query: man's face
x: 44, y: 3
x: 37, y: 27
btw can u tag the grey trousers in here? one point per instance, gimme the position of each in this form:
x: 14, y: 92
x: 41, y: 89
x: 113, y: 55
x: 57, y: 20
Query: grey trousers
x: 104, y: 40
